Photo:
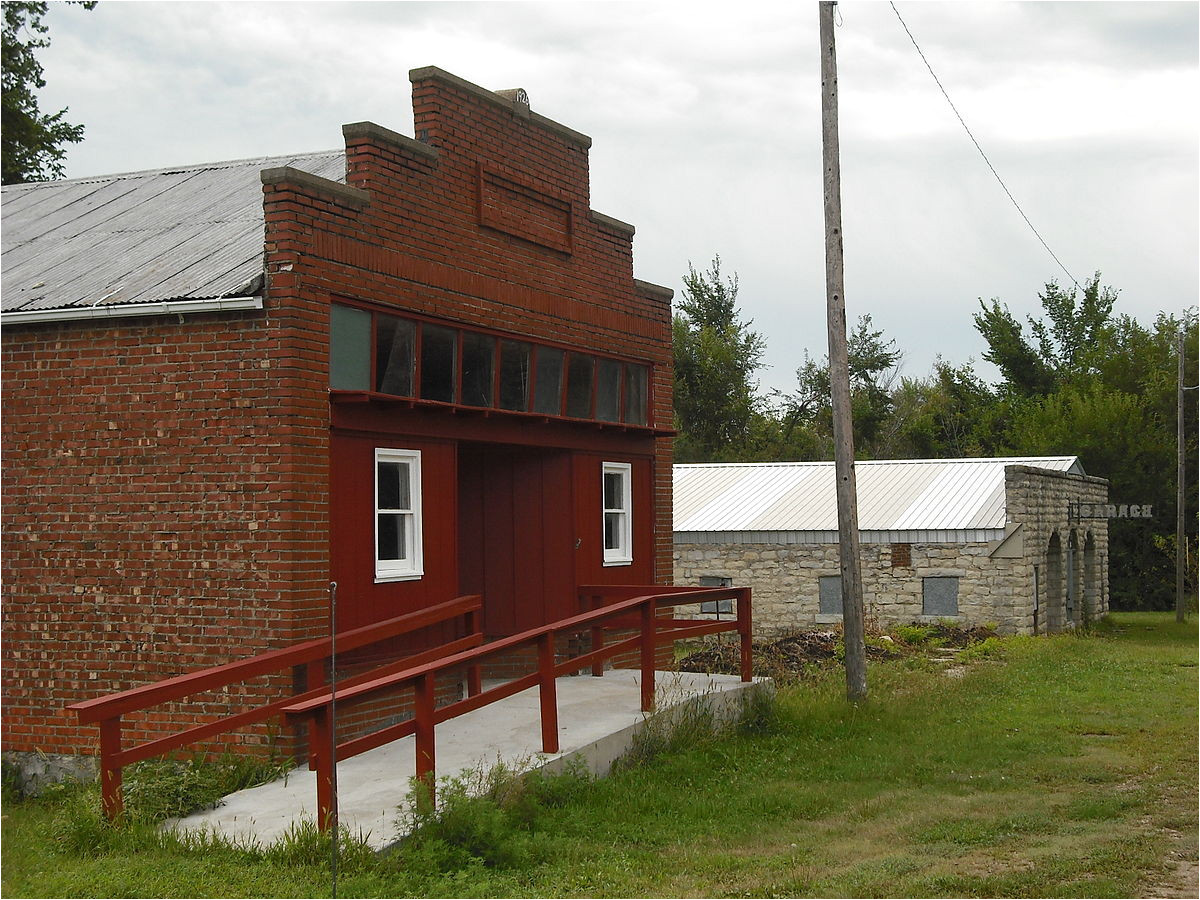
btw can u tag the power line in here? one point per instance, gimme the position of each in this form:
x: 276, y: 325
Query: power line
x: 938, y: 82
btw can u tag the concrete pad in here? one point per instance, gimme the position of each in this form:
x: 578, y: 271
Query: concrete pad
x: 597, y: 719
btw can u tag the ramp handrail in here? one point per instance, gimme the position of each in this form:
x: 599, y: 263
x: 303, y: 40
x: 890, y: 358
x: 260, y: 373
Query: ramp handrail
x: 624, y: 606
x: 106, y: 711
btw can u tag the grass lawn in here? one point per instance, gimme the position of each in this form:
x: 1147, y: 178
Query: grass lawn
x: 1060, y: 766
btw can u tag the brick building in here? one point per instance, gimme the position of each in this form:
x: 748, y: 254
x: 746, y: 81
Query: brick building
x: 997, y: 541
x: 420, y: 367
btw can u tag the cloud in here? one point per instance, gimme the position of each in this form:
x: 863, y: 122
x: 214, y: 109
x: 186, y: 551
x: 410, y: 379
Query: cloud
x: 706, y: 126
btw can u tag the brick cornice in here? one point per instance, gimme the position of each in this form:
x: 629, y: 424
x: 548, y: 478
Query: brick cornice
x: 426, y: 73
x: 332, y: 190
x: 379, y: 134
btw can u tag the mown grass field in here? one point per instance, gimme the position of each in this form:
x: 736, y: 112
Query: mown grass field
x: 1055, y: 767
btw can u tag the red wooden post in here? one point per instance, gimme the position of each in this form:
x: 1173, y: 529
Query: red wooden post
x: 744, y: 631
x: 110, y: 772
x: 547, y: 693
x: 474, y: 678
x: 423, y: 713
x: 319, y: 758
x: 648, y: 641
x: 597, y: 637
x: 314, y: 675
x: 598, y: 644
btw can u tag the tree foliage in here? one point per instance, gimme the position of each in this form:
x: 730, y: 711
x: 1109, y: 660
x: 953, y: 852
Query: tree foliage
x: 716, y: 358
x: 874, y: 366
x: 32, y: 141
x: 1078, y: 379
x: 1063, y: 346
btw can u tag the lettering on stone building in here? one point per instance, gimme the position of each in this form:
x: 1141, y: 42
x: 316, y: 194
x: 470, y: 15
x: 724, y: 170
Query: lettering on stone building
x: 1080, y: 511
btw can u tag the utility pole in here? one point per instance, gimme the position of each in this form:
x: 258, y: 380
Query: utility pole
x: 1180, y: 473
x: 839, y: 371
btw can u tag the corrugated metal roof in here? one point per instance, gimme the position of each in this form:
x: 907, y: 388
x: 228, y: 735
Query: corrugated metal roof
x: 893, y: 495
x: 193, y: 233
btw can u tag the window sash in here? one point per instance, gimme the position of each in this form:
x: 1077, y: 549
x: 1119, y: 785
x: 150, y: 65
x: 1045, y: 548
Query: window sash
x: 397, y: 513
x: 617, y: 513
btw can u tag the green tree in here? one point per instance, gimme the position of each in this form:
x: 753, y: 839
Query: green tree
x: 874, y: 367
x: 32, y: 141
x: 949, y: 414
x: 716, y: 358
x: 1063, y: 345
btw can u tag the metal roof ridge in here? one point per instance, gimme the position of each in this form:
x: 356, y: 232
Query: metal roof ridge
x: 1011, y: 460
x: 169, y: 170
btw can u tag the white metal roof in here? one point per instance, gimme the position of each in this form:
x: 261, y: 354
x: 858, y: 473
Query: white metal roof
x: 186, y: 233
x: 893, y: 495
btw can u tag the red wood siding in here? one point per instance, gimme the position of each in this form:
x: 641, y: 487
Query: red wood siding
x: 589, y: 566
x: 361, y: 600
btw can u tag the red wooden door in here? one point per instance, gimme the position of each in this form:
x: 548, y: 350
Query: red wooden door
x: 515, y: 534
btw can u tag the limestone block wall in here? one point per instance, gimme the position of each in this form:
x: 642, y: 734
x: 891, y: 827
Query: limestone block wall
x: 785, y: 581
x: 1065, y: 558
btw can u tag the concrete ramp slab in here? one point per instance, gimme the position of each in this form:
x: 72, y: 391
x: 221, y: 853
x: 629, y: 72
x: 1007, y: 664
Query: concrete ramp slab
x: 597, y: 719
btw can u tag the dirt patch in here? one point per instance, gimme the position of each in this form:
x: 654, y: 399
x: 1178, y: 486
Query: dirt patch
x: 1182, y: 879
x: 801, y: 652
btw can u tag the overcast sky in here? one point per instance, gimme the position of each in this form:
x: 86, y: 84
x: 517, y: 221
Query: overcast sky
x: 706, y: 128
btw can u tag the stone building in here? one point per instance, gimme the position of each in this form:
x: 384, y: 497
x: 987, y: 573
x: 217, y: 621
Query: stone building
x: 997, y: 541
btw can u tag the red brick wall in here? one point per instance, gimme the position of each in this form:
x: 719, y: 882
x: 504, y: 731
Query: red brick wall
x: 152, y: 518
x: 166, y: 499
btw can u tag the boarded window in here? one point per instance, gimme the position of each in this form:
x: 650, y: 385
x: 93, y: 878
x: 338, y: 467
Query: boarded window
x: 939, y: 595
x: 830, y: 596
x: 349, y: 349
x: 394, y: 356
x: 547, y: 395
x: 478, y: 372
x: 716, y: 606
x: 439, y: 363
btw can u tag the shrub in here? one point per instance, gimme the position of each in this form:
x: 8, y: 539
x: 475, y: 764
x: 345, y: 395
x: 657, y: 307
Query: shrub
x: 990, y: 648
x: 484, y: 817
x: 913, y: 635
x: 162, y: 788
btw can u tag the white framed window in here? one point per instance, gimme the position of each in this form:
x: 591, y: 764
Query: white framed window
x: 618, y: 514
x: 398, y: 552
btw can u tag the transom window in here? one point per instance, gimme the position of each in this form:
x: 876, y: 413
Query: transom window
x: 398, y: 550
x: 374, y: 351
x: 618, y: 527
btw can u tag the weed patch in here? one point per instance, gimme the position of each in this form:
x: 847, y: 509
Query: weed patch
x: 483, y: 818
